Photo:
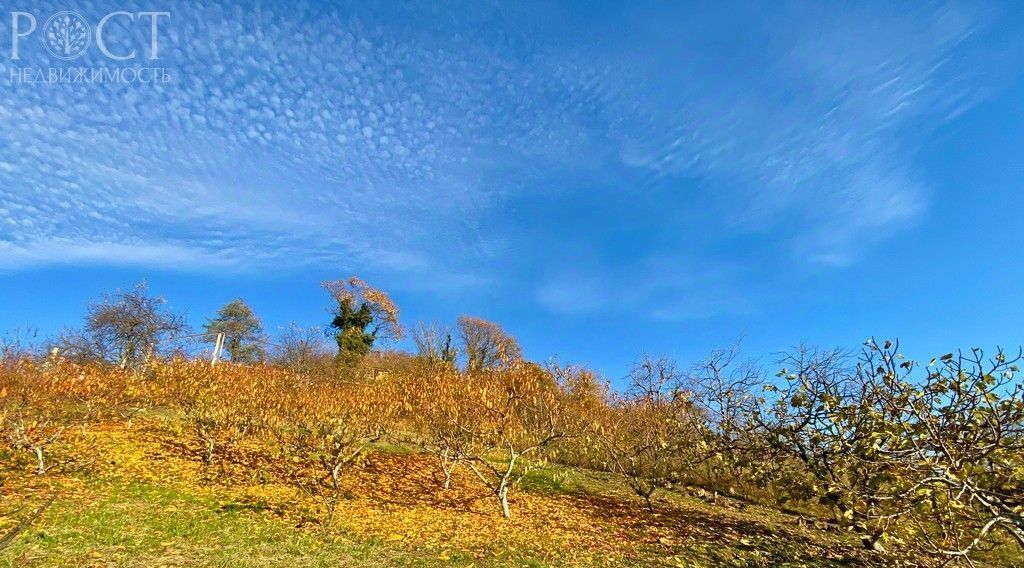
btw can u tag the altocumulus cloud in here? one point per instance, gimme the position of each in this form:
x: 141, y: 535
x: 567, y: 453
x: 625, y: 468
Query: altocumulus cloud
x: 303, y: 134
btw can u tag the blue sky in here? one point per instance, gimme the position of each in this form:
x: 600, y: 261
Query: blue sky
x: 604, y: 180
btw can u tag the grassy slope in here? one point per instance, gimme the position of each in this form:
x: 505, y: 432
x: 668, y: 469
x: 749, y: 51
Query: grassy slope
x: 144, y: 525
x: 150, y: 506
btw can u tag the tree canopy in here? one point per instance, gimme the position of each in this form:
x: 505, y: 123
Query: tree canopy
x: 126, y: 328
x: 362, y: 315
x: 243, y: 331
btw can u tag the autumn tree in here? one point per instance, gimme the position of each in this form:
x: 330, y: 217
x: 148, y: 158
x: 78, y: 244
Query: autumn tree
x: 327, y: 429
x: 486, y: 346
x: 932, y: 460
x: 243, y: 332
x: 42, y: 400
x: 511, y: 415
x: 829, y: 415
x: 434, y: 343
x: 957, y: 433
x: 433, y: 402
x: 585, y: 400
x: 125, y: 328
x: 455, y: 416
x: 362, y: 315
x: 652, y: 434
x: 36, y: 411
x: 221, y: 405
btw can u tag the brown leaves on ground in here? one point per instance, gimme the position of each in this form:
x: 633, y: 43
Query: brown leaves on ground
x: 396, y: 498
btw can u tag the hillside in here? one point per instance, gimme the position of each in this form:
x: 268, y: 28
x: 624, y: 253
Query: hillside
x: 401, y: 459
x: 137, y: 496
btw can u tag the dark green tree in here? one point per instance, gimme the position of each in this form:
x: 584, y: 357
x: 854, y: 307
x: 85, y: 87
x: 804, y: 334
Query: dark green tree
x: 350, y: 325
x: 243, y: 332
x: 362, y: 316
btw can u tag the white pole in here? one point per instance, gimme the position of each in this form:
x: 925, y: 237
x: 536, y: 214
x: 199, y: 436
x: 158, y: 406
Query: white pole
x: 217, y: 346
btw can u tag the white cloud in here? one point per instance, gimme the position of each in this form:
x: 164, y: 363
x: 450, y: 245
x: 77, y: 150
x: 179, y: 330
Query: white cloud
x: 813, y: 118
x: 656, y: 287
x: 330, y: 135
x: 577, y: 293
x: 56, y: 251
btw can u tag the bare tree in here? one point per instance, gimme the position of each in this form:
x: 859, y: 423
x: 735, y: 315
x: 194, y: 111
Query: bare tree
x: 722, y: 388
x: 125, y: 328
x: 434, y: 343
x: 301, y: 349
x: 17, y: 344
x: 652, y: 435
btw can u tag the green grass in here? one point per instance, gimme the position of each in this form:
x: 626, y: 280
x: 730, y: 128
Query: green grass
x: 563, y: 480
x: 143, y: 525
x: 134, y: 524
x: 113, y: 522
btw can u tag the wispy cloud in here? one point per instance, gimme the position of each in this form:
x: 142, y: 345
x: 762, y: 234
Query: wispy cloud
x: 662, y: 288
x: 302, y: 135
x: 806, y: 122
x: 57, y: 251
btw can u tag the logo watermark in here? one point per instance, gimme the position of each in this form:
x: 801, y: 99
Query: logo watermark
x: 68, y: 35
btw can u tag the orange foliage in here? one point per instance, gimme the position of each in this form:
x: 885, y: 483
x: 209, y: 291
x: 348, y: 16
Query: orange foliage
x: 272, y: 432
x: 384, y: 310
x: 41, y: 400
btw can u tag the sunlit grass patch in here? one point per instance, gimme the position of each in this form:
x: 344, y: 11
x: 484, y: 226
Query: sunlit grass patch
x: 138, y: 524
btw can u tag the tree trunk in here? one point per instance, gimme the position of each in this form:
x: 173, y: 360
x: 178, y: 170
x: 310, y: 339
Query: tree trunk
x: 336, y: 476
x: 503, y: 499
x: 499, y: 484
x: 332, y: 506
x: 447, y: 467
x: 873, y: 542
x: 41, y: 463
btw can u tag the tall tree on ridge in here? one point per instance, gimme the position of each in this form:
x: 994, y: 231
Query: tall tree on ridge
x: 362, y: 315
x: 242, y: 329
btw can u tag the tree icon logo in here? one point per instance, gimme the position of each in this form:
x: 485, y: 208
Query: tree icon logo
x: 66, y: 35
